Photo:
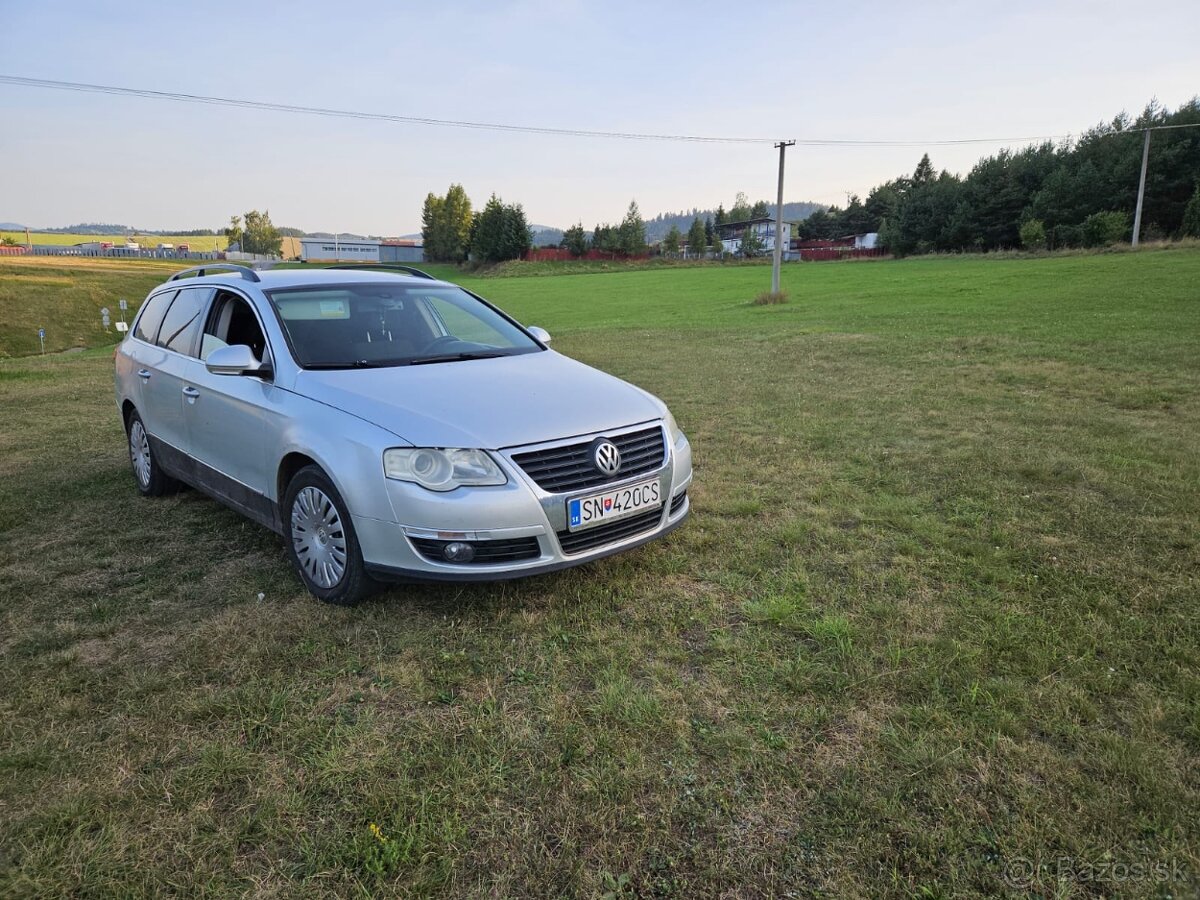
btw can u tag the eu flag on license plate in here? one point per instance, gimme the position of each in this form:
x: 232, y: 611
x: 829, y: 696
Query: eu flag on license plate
x: 573, y: 512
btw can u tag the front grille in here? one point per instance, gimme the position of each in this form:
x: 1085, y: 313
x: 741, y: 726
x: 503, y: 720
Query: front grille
x: 677, y: 502
x: 579, y: 541
x: 570, y: 468
x: 508, y: 550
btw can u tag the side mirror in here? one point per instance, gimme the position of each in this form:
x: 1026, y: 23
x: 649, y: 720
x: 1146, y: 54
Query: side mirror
x: 237, y: 359
x: 540, y: 333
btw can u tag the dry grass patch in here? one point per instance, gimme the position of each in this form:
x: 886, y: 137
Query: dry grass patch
x: 770, y: 298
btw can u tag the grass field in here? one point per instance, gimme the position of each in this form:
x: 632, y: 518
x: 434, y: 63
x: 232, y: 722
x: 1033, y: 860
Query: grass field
x: 199, y: 243
x: 64, y: 295
x: 932, y: 623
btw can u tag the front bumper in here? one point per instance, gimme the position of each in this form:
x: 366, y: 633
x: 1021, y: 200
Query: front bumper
x: 518, y: 514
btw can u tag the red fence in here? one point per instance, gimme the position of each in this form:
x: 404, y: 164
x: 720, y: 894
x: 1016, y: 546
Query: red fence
x: 13, y: 251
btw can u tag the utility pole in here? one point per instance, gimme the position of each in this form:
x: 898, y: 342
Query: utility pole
x: 1137, y: 216
x: 782, y: 145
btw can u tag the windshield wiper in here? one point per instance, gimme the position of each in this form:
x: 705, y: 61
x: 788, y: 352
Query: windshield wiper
x: 456, y: 357
x: 357, y: 364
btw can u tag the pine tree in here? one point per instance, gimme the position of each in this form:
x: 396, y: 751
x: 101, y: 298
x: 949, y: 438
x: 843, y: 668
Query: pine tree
x: 672, y: 241
x: 697, y: 239
x: 456, y: 222
x: 432, y: 230
x: 924, y: 173
x: 633, y: 232
x: 575, y: 240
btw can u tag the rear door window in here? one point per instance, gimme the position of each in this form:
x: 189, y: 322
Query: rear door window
x: 182, y: 323
x: 152, y: 315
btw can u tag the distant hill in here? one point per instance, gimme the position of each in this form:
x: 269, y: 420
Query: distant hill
x: 109, y: 229
x: 544, y: 235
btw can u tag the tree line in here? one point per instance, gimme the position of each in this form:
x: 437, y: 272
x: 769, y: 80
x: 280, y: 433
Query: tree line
x: 453, y: 232
x: 1071, y: 194
x: 628, y: 237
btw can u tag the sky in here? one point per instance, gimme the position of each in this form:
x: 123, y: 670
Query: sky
x: 917, y: 71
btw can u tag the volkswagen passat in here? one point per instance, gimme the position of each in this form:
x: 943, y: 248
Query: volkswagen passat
x: 392, y: 427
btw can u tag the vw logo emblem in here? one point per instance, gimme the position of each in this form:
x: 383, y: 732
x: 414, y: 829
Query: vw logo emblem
x: 606, y: 457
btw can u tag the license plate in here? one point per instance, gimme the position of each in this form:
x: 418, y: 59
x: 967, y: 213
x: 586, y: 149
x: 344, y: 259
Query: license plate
x: 598, y: 509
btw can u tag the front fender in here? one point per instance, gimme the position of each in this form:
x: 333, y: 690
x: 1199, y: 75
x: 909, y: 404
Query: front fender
x: 347, y: 448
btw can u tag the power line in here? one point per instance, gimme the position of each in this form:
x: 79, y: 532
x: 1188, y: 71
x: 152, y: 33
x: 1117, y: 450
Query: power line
x: 352, y: 114
x: 266, y: 106
x: 83, y: 87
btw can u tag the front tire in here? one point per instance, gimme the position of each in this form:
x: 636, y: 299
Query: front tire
x: 321, y: 540
x: 147, y: 473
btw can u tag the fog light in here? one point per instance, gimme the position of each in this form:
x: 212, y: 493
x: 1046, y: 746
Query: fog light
x: 459, y: 552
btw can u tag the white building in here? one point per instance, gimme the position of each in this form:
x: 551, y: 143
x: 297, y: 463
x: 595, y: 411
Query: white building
x: 338, y: 250
x: 733, y: 232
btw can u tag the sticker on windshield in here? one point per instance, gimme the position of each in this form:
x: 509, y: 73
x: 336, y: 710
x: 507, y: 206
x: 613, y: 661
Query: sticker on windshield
x: 308, y: 308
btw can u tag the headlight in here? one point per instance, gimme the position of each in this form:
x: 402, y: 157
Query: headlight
x: 441, y: 470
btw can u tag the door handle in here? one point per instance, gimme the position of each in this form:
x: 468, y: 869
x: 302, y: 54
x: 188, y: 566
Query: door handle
x: 143, y: 373
x: 190, y: 392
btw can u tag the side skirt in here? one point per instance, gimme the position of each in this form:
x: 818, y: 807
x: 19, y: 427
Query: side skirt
x: 219, y: 486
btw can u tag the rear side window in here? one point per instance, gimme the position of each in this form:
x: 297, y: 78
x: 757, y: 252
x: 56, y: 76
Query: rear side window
x: 153, y: 311
x: 182, y: 323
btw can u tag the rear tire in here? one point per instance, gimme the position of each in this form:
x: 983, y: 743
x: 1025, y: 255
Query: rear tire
x: 321, y: 541
x: 148, y: 475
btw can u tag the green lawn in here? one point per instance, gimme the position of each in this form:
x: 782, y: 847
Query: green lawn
x: 934, y: 616
x: 64, y: 295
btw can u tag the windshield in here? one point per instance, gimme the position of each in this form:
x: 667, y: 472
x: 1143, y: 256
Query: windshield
x: 387, y: 324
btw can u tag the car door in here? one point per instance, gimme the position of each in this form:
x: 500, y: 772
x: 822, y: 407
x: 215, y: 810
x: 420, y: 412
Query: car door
x: 142, y: 358
x: 164, y: 388
x: 231, y: 417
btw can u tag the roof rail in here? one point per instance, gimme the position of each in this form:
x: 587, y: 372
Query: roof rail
x: 391, y: 267
x: 244, y: 271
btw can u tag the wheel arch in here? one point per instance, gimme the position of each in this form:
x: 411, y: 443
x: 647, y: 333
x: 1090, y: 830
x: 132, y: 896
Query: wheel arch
x: 127, y: 411
x: 292, y: 463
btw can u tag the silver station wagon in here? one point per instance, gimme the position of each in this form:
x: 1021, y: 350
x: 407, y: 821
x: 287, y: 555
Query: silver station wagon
x: 392, y: 427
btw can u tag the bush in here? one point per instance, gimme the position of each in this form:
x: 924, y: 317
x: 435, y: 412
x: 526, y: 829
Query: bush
x: 770, y: 298
x: 1104, y: 228
x: 1033, y: 235
x: 1066, y: 236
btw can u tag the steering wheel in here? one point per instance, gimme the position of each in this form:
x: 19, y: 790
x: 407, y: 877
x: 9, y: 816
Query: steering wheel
x: 440, y: 342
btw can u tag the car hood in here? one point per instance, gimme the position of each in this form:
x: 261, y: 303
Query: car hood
x: 485, y: 403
